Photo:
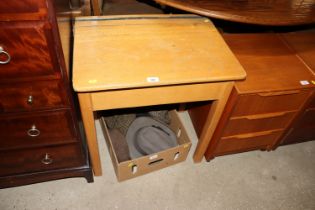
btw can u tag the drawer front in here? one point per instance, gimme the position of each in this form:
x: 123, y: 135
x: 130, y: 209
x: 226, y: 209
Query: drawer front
x: 251, y: 104
x: 29, y: 130
x: 23, y: 10
x: 41, y: 159
x: 247, y: 142
x: 32, y: 96
x: 308, y: 118
x: 257, y: 123
x: 31, y: 55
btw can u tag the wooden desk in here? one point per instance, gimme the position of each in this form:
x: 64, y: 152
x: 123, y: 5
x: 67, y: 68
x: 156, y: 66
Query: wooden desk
x: 135, y: 61
x: 274, y: 12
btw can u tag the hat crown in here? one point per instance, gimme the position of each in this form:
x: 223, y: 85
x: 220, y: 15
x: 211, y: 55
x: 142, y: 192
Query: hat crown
x: 152, y: 139
x: 146, y: 136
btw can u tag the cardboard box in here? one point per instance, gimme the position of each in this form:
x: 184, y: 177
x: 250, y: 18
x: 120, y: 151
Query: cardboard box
x: 139, y: 166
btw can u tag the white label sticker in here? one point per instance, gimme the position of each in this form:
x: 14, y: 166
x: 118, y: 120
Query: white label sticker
x: 153, y: 157
x: 92, y: 81
x: 179, y: 132
x: 304, y: 82
x: 153, y: 79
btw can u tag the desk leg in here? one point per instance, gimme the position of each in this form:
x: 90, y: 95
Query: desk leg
x: 213, y: 118
x: 96, y: 7
x: 90, y: 131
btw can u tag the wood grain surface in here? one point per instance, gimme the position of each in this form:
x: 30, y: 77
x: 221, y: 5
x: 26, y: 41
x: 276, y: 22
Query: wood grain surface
x: 37, y: 115
x: 55, y: 127
x: 270, y: 64
x: 263, y: 12
x: 30, y: 45
x: 32, y: 96
x: 65, y: 156
x: 130, y: 51
x: 23, y: 10
x: 303, y: 43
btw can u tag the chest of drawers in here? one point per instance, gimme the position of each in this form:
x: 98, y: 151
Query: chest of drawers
x: 40, y: 138
x: 262, y: 107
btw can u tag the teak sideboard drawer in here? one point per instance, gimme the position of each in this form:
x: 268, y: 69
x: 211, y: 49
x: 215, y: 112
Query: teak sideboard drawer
x: 30, y: 55
x: 23, y: 10
x: 41, y: 159
x: 29, y: 130
x: 32, y: 96
x: 242, y: 143
x: 257, y: 123
x: 260, y: 103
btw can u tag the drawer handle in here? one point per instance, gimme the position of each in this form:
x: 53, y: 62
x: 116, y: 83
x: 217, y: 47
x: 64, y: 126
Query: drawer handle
x: 8, y: 57
x: 33, y: 132
x: 250, y: 135
x: 263, y: 116
x: 47, y: 159
x: 30, y: 100
x: 279, y: 93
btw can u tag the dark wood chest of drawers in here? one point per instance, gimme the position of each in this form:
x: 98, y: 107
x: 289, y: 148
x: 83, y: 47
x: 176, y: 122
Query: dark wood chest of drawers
x: 261, y: 108
x: 40, y: 138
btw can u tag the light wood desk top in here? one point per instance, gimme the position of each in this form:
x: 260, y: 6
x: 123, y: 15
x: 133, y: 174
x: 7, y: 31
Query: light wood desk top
x: 112, y: 53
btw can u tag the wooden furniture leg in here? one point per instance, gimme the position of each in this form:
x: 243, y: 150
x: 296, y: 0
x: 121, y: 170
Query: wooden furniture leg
x: 212, y: 120
x: 96, y: 8
x: 90, y: 131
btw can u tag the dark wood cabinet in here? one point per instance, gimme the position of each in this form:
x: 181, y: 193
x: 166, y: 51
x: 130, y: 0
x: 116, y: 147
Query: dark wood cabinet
x: 262, y: 108
x: 37, y: 129
x: 32, y: 51
x: 41, y: 160
x: 32, y: 96
x: 40, y: 138
x: 23, y: 10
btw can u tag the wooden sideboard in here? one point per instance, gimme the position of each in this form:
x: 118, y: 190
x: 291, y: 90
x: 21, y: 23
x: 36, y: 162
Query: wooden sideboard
x: 40, y: 138
x: 261, y: 108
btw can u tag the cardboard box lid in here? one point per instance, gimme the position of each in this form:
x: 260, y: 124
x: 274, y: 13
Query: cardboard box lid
x: 116, y: 52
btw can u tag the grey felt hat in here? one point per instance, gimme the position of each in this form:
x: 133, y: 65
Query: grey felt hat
x: 146, y: 136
